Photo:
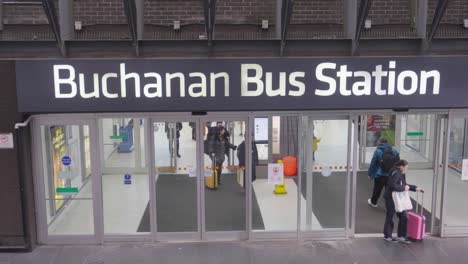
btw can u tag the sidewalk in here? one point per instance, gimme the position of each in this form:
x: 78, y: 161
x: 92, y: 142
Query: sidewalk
x: 356, y: 251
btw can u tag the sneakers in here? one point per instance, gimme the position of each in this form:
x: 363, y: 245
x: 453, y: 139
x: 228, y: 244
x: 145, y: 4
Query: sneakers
x: 369, y: 202
x: 390, y: 239
x: 403, y: 240
x: 399, y: 239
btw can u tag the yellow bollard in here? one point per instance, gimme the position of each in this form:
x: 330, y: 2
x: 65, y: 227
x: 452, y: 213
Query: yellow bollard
x: 280, y: 189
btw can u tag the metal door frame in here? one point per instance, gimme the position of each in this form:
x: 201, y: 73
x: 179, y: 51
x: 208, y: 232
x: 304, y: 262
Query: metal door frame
x: 437, y: 150
x: 226, y: 235
x: 447, y: 230
x: 201, y: 234
x: 38, y: 175
x: 347, y: 230
x: 440, y: 159
x: 144, y: 237
x: 169, y: 236
x: 92, y: 121
x: 362, y: 135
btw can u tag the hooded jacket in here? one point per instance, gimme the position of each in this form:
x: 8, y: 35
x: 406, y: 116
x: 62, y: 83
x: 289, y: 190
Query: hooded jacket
x: 375, y: 168
x: 396, y: 183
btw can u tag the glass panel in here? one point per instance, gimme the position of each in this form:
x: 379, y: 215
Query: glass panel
x: 125, y: 187
x: 274, y: 208
x: 457, y: 183
x: 176, y: 179
x: 261, y: 134
x: 224, y: 176
x: 417, y: 138
x: 457, y: 141
x: 118, y: 135
x: 323, y: 188
x: 440, y: 162
x: 87, y: 151
x: 378, y: 126
x: 68, y: 190
x: 413, y: 136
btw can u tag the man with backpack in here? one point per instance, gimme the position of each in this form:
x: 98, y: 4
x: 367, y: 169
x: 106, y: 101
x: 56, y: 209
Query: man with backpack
x: 383, y: 160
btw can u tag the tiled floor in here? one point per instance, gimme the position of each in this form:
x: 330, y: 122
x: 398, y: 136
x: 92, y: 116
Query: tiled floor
x: 356, y: 251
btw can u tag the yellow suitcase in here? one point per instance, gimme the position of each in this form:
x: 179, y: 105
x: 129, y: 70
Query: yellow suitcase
x: 211, y: 182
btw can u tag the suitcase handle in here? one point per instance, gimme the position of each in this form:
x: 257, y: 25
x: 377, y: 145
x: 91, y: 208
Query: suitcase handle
x: 422, y: 202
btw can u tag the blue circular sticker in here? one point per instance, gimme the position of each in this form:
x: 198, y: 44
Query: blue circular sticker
x: 66, y: 160
x: 127, y: 177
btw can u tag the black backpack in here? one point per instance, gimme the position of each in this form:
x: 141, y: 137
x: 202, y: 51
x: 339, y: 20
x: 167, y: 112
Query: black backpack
x: 388, y: 160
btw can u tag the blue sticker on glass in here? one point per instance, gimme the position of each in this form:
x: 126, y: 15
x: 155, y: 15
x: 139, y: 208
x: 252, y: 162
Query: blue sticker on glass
x: 127, y: 179
x: 66, y: 160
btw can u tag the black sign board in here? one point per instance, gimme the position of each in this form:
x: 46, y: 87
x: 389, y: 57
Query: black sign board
x: 198, y: 85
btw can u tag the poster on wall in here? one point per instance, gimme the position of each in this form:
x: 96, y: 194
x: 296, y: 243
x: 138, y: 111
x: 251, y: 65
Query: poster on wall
x: 275, y: 173
x: 464, y: 176
x: 380, y: 126
x: 59, y: 150
x: 261, y: 129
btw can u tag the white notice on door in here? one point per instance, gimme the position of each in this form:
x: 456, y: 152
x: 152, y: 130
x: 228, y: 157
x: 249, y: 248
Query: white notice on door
x: 275, y: 173
x: 465, y: 170
x: 6, y: 141
x: 192, y: 171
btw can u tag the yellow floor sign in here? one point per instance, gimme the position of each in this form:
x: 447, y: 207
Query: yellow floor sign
x: 280, y: 189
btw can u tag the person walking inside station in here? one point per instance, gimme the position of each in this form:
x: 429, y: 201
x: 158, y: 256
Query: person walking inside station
x: 215, y: 147
x: 397, y: 183
x: 316, y: 141
x: 242, y: 160
x: 174, y: 141
x: 383, y: 160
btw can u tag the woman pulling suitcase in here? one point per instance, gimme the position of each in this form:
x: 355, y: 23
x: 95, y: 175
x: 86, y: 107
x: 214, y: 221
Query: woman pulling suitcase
x: 397, y: 183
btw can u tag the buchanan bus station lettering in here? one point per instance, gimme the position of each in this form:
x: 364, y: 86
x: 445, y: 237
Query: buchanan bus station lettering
x: 329, y: 79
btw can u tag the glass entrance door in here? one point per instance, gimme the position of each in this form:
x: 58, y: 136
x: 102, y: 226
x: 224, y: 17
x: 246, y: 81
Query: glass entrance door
x: 325, y: 180
x: 198, y: 180
x: 417, y: 139
x: 124, y: 177
x: 175, y: 188
x: 66, y: 171
x: 224, y: 162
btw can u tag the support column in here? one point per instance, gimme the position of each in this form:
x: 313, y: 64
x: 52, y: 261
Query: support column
x: 66, y: 19
x: 350, y: 18
x: 1, y: 14
x: 278, y: 26
x: 140, y: 5
x: 309, y: 168
x: 421, y: 19
x: 398, y: 135
x: 137, y: 142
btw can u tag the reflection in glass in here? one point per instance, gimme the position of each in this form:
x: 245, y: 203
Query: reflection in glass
x: 323, y: 185
x: 224, y: 177
x: 272, y: 209
x: 176, y: 179
x: 67, y: 186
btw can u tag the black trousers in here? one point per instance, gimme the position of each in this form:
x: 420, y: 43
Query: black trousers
x: 254, y: 174
x: 175, y: 145
x: 379, y: 184
x: 402, y: 220
x: 194, y: 133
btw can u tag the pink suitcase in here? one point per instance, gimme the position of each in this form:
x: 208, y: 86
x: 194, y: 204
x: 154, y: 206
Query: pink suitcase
x: 417, y: 221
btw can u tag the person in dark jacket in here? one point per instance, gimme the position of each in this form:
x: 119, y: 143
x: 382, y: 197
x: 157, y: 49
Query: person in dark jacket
x: 178, y: 127
x: 215, y: 147
x: 194, y: 130
x: 242, y: 160
x: 397, y: 183
x: 376, y: 172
